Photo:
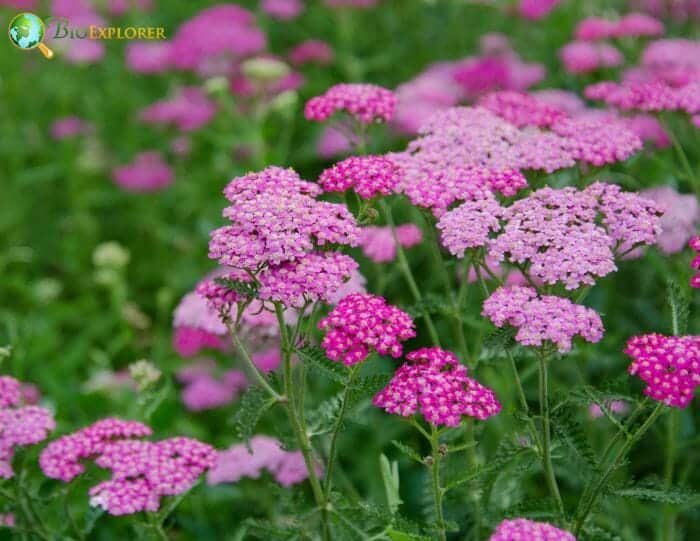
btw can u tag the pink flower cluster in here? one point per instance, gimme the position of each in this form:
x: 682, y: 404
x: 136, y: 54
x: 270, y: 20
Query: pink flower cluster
x: 20, y: 424
x: 542, y: 318
x: 630, y: 25
x: 147, y: 173
x: 522, y: 529
x: 142, y: 471
x: 596, y: 142
x: 555, y: 231
x: 203, y: 390
x: 261, y: 453
x: 694, y: 244
x: 69, y: 126
x: 470, y: 224
x: 312, y: 51
x: 584, y: 57
x: 435, y: 384
x: 188, y: 111
x: 368, y: 176
x: 362, y: 323
x: 283, y: 10
x: 521, y: 109
x: 379, y: 245
x: 365, y: 102
x: 669, y: 365
x: 678, y: 223
x: 81, y: 14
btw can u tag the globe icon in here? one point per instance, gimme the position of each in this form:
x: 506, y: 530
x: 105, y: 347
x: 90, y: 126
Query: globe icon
x: 27, y: 31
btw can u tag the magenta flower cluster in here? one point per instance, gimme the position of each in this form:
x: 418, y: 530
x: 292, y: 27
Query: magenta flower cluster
x: 630, y: 25
x: 142, y: 471
x: 261, y: 453
x: 365, y: 102
x: 541, y: 319
x: 362, y: 323
x: 694, y: 244
x: 522, y: 529
x: 557, y: 234
x: 368, y: 176
x: 669, y: 365
x: 435, y: 384
x: 20, y: 424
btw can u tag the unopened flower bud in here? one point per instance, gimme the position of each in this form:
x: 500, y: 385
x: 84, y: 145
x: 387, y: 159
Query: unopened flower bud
x: 144, y: 374
x: 264, y: 70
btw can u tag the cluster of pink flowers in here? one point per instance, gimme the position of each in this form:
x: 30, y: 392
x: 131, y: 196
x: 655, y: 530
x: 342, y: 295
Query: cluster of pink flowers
x: 368, y: 176
x: 197, y: 326
x: 69, y: 126
x: 681, y: 213
x: 556, y: 232
x: 365, y: 102
x: 542, y: 318
x: 203, y: 390
x: 284, y: 10
x: 312, y: 51
x: 630, y: 25
x: 669, y: 365
x: 678, y: 10
x: 584, y: 57
x: 188, y: 111
x: 536, y: 9
x: 251, y: 459
x: 142, y: 471
x: 362, y: 323
x: 522, y: 529
x: 470, y: 224
x: 20, y: 424
x: 597, y: 143
x: 521, y: 109
x: 81, y: 14
x: 148, y: 172
x: 436, y: 385
x: 694, y: 244
x: 379, y: 245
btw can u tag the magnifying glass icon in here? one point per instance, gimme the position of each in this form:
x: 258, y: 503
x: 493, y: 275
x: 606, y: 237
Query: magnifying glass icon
x: 26, y: 32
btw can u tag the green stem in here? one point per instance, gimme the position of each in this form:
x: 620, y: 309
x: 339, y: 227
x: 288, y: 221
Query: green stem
x: 437, y: 489
x: 522, y: 398
x: 336, y: 430
x: 475, y: 494
x: 669, y: 522
x: 692, y: 177
x: 157, y: 527
x: 251, y: 366
x: 545, y: 447
x: 298, y: 425
x: 408, y: 275
x: 587, y: 503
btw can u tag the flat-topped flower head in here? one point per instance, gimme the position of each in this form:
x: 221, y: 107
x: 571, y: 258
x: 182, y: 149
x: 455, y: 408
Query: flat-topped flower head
x: 362, y: 323
x: 522, y: 529
x: 368, y: 176
x: 556, y: 232
x: 275, y: 219
x: 365, y: 102
x: 596, y: 142
x: 434, y: 384
x: 521, y: 109
x: 650, y: 96
x: 541, y: 319
x: 470, y: 225
x: 669, y: 365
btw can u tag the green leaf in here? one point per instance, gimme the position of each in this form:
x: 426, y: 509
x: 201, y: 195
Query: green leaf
x: 571, y: 433
x: 475, y: 473
x: 680, y: 308
x: 322, y: 419
x: 316, y: 357
x: 390, y: 476
x: 675, y: 495
x: 408, y: 451
x: 239, y: 286
x: 253, y: 404
x: 367, y: 387
x: 396, y: 535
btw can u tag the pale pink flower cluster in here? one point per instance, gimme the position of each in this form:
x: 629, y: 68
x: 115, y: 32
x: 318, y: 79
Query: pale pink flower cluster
x: 188, y: 111
x: 142, y: 471
x: 630, y: 25
x: 470, y: 225
x: 261, y: 453
x: 148, y: 172
x: 365, y: 102
x: 522, y: 529
x: 361, y: 324
x: 69, y: 126
x: 368, y: 176
x: 557, y: 233
x: 584, y: 57
x: 312, y: 51
x: 379, y: 245
x: 681, y: 213
x: 202, y: 390
x: 20, y: 424
x: 275, y: 219
x: 536, y: 9
x: 521, y: 109
x: 541, y: 319
x: 435, y: 384
x: 669, y: 365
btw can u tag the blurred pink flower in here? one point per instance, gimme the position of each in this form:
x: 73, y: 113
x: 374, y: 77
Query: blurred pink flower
x: 536, y: 9
x: 378, y: 243
x: 181, y: 146
x: 267, y: 360
x: 149, y: 57
x: 332, y: 143
x: 188, y: 111
x: 203, y: 391
x: 120, y: 7
x: 585, y: 57
x: 312, y: 51
x: 284, y: 10
x: 615, y: 406
x: 148, y: 172
x: 69, y: 126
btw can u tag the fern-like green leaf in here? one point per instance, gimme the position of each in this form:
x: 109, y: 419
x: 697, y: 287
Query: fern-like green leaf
x: 253, y: 404
x: 322, y: 419
x: 244, y: 288
x: 675, y: 495
x: 408, y: 451
x: 316, y: 357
